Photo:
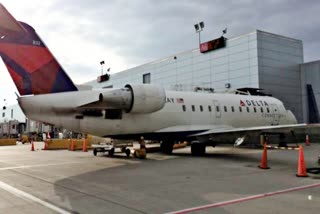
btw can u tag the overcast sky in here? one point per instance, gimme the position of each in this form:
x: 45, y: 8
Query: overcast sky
x: 81, y: 33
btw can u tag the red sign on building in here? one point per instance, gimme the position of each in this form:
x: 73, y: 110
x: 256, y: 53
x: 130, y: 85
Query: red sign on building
x: 213, y: 45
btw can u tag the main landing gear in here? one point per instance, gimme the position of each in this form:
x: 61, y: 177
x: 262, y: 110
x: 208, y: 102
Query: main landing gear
x: 166, y: 146
x: 198, y: 149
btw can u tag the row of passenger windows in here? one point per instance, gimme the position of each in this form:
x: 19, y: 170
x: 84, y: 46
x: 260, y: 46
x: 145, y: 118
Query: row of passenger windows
x: 225, y: 108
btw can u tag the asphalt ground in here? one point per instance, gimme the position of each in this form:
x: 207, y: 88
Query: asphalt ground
x: 225, y: 180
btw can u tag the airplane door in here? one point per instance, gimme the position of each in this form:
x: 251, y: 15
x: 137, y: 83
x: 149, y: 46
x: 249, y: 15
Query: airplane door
x: 217, y: 109
x: 275, y: 112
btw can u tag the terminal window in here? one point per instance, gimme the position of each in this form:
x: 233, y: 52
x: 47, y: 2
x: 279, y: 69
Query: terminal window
x: 146, y: 78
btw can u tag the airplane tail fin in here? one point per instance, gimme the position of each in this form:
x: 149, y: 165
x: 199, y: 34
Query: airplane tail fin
x: 31, y: 65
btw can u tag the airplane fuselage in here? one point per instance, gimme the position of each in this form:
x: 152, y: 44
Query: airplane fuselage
x: 184, y: 113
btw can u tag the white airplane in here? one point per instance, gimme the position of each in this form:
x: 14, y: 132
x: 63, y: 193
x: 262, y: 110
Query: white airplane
x: 48, y: 95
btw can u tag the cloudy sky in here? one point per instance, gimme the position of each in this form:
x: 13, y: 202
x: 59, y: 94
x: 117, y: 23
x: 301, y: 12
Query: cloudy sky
x: 124, y: 33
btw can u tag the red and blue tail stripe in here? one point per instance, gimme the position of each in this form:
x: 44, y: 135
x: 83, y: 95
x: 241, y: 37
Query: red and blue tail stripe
x: 31, y: 65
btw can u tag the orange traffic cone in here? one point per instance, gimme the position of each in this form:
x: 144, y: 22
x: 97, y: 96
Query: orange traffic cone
x: 32, y: 146
x: 72, y: 145
x: 302, y: 172
x: 307, y: 140
x: 264, y: 159
x: 45, y: 145
x: 84, y: 146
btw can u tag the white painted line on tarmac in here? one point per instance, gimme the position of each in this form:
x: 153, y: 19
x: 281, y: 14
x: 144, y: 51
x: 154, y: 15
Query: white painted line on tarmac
x: 15, y: 159
x: 248, y: 198
x: 25, y: 195
x: 38, y: 165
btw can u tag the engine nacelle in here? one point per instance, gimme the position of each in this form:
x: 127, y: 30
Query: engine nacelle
x: 132, y: 99
x: 146, y: 98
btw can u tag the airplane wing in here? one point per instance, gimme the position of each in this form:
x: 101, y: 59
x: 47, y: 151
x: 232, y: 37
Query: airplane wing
x: 194, y: 128
x: 262, y: 129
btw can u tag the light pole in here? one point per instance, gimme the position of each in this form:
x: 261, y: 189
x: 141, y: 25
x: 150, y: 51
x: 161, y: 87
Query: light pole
x: 102, y: 63
x: 199, y: 27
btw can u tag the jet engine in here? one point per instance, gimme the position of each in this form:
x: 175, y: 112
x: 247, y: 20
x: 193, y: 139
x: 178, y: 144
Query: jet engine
x: 134, y: 98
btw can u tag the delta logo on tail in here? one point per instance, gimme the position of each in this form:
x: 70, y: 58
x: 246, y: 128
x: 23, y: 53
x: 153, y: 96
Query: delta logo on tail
x: 31, y: 65
x: 253, y: 103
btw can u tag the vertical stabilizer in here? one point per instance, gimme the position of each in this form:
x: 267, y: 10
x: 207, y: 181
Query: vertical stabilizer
x: 31, y: 65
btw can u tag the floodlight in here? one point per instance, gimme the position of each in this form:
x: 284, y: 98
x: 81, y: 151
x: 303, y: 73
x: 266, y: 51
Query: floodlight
x: 196, y: 26
x: 201, y: 25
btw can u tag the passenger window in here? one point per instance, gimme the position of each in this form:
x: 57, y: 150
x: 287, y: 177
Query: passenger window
x: 248, y: 110
x: 217, y: 108
x: 240, y: 109
x: 193, y: 109
x: 209, y: 108
x: 183, y: 107
x: 254, y: 109
x: 261, y: 110
x: 201, y: 108
x: 268, y: 110
x: 232, y: 108
x: 225, y: 108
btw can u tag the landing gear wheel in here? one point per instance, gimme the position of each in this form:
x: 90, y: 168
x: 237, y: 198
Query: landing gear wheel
x: 123, y: 149
x: 198, y: 149
x: 282, y: 142
x: 166, y: 147
x: 111, y: 152
x: 95, y: 152
x: 127, y: 152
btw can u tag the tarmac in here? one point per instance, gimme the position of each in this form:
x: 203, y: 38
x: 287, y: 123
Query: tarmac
x: 225, y: 180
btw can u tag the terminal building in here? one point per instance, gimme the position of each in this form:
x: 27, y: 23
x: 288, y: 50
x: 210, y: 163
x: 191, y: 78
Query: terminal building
x: 258, y: 59
x: 13, y: 122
